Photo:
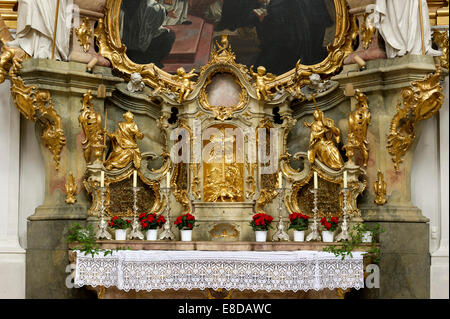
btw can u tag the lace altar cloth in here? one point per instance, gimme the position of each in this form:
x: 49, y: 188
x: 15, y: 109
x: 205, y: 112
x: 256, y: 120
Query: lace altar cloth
x: 242, y: 270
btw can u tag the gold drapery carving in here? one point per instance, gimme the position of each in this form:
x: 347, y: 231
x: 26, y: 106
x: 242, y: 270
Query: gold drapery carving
x: 440, y: 37
x: 125, y: 148
x: 71, y: 189
x: 380, y: 189
x: 84, y: 34
x: 418, y: 102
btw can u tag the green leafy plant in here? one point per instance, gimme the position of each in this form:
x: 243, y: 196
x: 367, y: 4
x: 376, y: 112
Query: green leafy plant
x: 298, y: 221
x: 85, y: 240
x: 347, y: 247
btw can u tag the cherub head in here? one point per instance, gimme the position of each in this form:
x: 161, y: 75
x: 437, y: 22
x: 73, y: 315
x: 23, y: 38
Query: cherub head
x: 261, y: 70
x: 128, y: 117
x: 181, y: 71
x: 317, y: 115
x: 315, y: 78
x: 135, y: 78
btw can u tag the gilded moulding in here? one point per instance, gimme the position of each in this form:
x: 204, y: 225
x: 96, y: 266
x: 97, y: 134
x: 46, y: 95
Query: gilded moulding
x: 358, y: 121
x: 112, y: 48
x: 419, y: 102
x: 380, y: 189
x: 84, y: 34
x: 71, y: 189
x: 440, y: 37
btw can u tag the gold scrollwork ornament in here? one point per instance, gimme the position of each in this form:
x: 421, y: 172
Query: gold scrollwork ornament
x: 441, y: 39
x: 84, y: 34
x: 418, y: 102
x: 358, y: 121
x: 380, y: 189
x: 71, y: 189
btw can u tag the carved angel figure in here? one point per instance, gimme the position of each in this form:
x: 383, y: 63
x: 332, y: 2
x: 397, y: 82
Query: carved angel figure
x: 135, y: 84
x: 317, y: 84
x: 262, y: 92
x: 380, y: 189
x: 186, y: 84
x: 321, y: 143
x: 358, y: 121
x: 125, y: 148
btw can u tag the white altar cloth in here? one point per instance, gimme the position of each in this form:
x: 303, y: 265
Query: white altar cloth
x: 242, y: 270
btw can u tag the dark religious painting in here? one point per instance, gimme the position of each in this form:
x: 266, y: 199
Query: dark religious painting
x: 272, y: 33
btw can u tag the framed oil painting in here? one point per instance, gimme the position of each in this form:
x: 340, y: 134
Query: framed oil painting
x: 272, y: 33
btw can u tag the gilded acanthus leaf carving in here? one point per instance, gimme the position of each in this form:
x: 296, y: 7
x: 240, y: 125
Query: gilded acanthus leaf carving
x: 84, y: 34
x: 441, y: 39
x: 32, y: 103
x: 418, y: 102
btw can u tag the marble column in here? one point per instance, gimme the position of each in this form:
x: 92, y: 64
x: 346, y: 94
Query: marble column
x: 12, y: 255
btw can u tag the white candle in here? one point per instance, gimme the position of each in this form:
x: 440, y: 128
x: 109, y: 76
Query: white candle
x: 102, y: 179
x: 345, y: 179
x: 280, y: 180
x: 316, y: 182
x: 168, y: 179
x: 134, y: 178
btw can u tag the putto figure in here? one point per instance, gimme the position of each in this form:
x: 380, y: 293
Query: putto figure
x: 321, y: 143
x: 186, y: 84
x: 261, y: 78
x: 124, y: 145
x: 135, y: 84
x: 358, y: 121
x: 91, y: 122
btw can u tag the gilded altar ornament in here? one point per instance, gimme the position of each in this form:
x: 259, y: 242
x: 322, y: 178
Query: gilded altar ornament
x: 71, y: 189
x: 186, y: 84
x: 440, y: 37
x: 380, y: 189
x: 84, y: 34
x: 419, y: 102
x: 358, y: 121
x: 91, y: 122
x: 321, y: 145
x: 124, y: 145
x: 261, y: 78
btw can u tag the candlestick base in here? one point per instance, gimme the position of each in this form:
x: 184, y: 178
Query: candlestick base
x: 135, y: 232
x: 167, y: 233
x: 103, y: 232
x: 344, y: 235
x: 314, y: 235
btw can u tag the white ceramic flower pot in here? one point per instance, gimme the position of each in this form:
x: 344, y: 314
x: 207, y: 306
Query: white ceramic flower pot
x: 327, y: 236
x: 299, y: 235
x: 121, y: 234
x: 366, y: 237
x: 186, y: 235
x: 261, y: 235
x: 152, y: 234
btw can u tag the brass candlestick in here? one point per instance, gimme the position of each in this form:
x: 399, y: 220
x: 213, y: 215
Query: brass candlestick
x: 344, y: 235
x: 167, y: 228
x: 280, y: 234
x: 135, y: 232
x: 314, y: 235
x: 103, y: 232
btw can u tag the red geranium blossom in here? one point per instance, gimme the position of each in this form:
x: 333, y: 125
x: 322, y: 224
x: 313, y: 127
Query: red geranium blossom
x: 151, y: 221
x: 261, y: 221
x: 330, y: 223
x: 185, y: 222
x: 298, y: 221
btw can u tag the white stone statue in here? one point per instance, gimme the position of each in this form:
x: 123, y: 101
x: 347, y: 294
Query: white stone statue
x: 135, y: 84
x: 35, y: 28
x: 317, y: 84
x: 399, y: 24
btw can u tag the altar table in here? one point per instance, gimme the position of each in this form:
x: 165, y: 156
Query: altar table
x: 147, y: 270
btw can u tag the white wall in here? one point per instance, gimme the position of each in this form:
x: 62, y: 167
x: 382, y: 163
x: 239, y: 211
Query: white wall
x: 12, y: 255
x: 429, y: 192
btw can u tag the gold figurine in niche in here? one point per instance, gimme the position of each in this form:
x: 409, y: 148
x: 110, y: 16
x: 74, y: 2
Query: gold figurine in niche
x: 71, y: 189
x: 380, y: 189
x: 124, y: 145
x: 91, y: 122
x: 358, y: 121
x: 186, y: 84
x: 262, y: 91
x: 321, y: 143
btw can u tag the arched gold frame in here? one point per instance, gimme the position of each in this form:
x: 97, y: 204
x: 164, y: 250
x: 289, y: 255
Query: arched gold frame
x: 112, y: 48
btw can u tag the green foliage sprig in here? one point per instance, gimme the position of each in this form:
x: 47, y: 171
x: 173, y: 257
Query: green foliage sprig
x: 347, y: 247
x: 86, y: 241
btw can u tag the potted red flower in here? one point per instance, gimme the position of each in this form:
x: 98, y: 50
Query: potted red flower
x: 185, y: 224
x: 120, y: 225
x: 260, y: 224
x: 151, y: 222
x: 299, y: 223
x: 330, y: 225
